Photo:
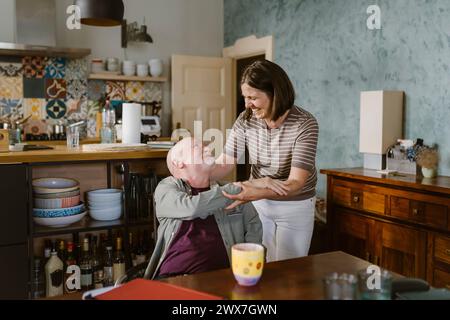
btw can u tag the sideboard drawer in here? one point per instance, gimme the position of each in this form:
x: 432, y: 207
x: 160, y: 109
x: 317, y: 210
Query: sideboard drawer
x: 442, y: 249
x: 434, y: 215
x: 354, y: 196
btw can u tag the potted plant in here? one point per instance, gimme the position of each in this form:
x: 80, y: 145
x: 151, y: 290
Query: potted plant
x: 428, y: 159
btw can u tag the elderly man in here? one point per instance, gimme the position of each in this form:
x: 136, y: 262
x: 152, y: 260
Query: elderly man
x: 195, y: 233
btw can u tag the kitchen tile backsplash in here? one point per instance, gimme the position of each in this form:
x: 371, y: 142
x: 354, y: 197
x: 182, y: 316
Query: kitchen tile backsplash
x: 58, y: 89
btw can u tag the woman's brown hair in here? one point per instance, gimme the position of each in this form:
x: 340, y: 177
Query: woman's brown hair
x: 273, y: 81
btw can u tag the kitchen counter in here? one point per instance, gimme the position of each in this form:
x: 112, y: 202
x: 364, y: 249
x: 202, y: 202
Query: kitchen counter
x: 62, y: 154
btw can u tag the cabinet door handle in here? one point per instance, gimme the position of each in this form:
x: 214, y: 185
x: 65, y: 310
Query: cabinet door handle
x: 415, y: 211
x: 355, y: 199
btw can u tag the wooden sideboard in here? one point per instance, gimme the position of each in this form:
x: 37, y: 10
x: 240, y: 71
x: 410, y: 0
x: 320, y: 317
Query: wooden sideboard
x: 399, y: 222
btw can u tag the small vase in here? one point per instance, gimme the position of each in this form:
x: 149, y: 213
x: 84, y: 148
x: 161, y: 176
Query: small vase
x: 428, y: 173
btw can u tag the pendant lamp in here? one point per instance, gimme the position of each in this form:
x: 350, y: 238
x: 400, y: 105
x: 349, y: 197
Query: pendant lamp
x: 102, y: 13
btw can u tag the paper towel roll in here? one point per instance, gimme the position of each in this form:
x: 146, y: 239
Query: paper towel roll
x: 131, y: 123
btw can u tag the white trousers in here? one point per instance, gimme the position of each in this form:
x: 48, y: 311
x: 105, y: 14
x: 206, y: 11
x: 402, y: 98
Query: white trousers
x: 287, y: 227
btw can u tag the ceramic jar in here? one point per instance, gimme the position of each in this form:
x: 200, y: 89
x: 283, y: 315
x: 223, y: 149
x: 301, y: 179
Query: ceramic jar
x: 112, y: 64
x: 156, y: 67
x: 428, y: 173
x: 142, y: 70
x: 97, y: 66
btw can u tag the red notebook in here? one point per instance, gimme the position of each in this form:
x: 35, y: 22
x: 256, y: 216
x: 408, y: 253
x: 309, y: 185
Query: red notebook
x: 140, y: 289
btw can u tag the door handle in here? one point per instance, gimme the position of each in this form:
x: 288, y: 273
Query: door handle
x: 356, y: 199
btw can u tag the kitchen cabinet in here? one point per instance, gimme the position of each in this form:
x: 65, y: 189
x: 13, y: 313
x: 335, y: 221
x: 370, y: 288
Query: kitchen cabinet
x: 399, y: 223
x: 14, y: 217
x: 19, y: 235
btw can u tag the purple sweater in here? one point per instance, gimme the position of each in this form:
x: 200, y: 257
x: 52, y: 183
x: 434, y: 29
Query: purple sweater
x: 196, y: 247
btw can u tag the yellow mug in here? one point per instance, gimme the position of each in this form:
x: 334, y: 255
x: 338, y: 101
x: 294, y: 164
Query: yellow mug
x: 247, y: 262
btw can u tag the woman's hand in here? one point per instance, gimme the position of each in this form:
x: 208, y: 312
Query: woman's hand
x: 277, y: 186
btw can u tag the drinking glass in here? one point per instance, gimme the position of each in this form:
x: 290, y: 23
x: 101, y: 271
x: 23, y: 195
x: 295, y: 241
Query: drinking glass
x: 73, y: 137
x: 340, y: 286
x: 374, y: 284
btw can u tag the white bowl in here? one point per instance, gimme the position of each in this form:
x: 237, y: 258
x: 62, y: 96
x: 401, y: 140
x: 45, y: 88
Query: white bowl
x: 59, y: 222
x: 105, y: 205
x: 104, y: 195
x: 54, y: 185
x: 106, y: 214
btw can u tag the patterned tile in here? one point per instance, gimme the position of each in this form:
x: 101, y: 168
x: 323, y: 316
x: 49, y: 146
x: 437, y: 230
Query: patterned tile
x: 55, y: 68
x: 11, y: 69
x: 55, y: 89
x: 135, y: 91
x: 8, y: 105
x: 152, y: 91
x: 77, y: 106
x: 36, y: 127
x: 33, y: 88
x: 55, y: 109
x: 96, y: 88
x: 76, y: 89
x: 92, y: 108
x: 35, y: 108
x: 77, y: 69
x: 11, y: 87
x: 115, y: 90
x: 34, y: 67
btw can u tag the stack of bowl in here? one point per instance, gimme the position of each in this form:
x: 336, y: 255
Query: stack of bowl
x: 105, y: 204
x: 57, y: 202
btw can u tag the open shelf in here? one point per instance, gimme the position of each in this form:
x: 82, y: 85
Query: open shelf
x: 85, y: 225
x: 113, y: 77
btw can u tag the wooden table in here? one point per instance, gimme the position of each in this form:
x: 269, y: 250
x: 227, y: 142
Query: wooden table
x: 297, y: 279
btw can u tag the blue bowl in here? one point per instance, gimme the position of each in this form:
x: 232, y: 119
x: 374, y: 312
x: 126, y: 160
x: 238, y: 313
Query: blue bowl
x: 57, y: 213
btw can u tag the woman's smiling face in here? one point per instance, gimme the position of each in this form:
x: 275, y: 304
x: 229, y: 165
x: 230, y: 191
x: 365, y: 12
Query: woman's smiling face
x: 258, y: 101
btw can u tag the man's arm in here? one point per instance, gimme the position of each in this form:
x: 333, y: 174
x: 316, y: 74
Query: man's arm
x: 173, y: 202
x: 252, y: 224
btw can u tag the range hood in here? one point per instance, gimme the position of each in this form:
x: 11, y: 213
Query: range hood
x: 35, y: 32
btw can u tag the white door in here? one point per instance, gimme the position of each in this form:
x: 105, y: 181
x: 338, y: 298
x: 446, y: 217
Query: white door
x: 201, y: 91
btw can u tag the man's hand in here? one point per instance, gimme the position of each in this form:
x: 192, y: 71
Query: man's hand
x: 248, y: 193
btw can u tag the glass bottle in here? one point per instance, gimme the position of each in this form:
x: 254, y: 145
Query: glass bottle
x: 140, y: 254
x: 47, y: 250
x: 86, y: 266
x: 38, y: 280
x: 108, y: 272
x: 131, y: 248
x: 119, y: 260
x: 70, y: 260
x: 97, y: 269
x: 54, y: 276
x: 62, y: 251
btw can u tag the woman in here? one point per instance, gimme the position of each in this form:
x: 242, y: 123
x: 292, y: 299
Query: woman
x: 281, y: 139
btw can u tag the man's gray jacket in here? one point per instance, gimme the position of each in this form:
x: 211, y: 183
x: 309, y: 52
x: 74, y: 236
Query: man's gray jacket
x: 175, y: 203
